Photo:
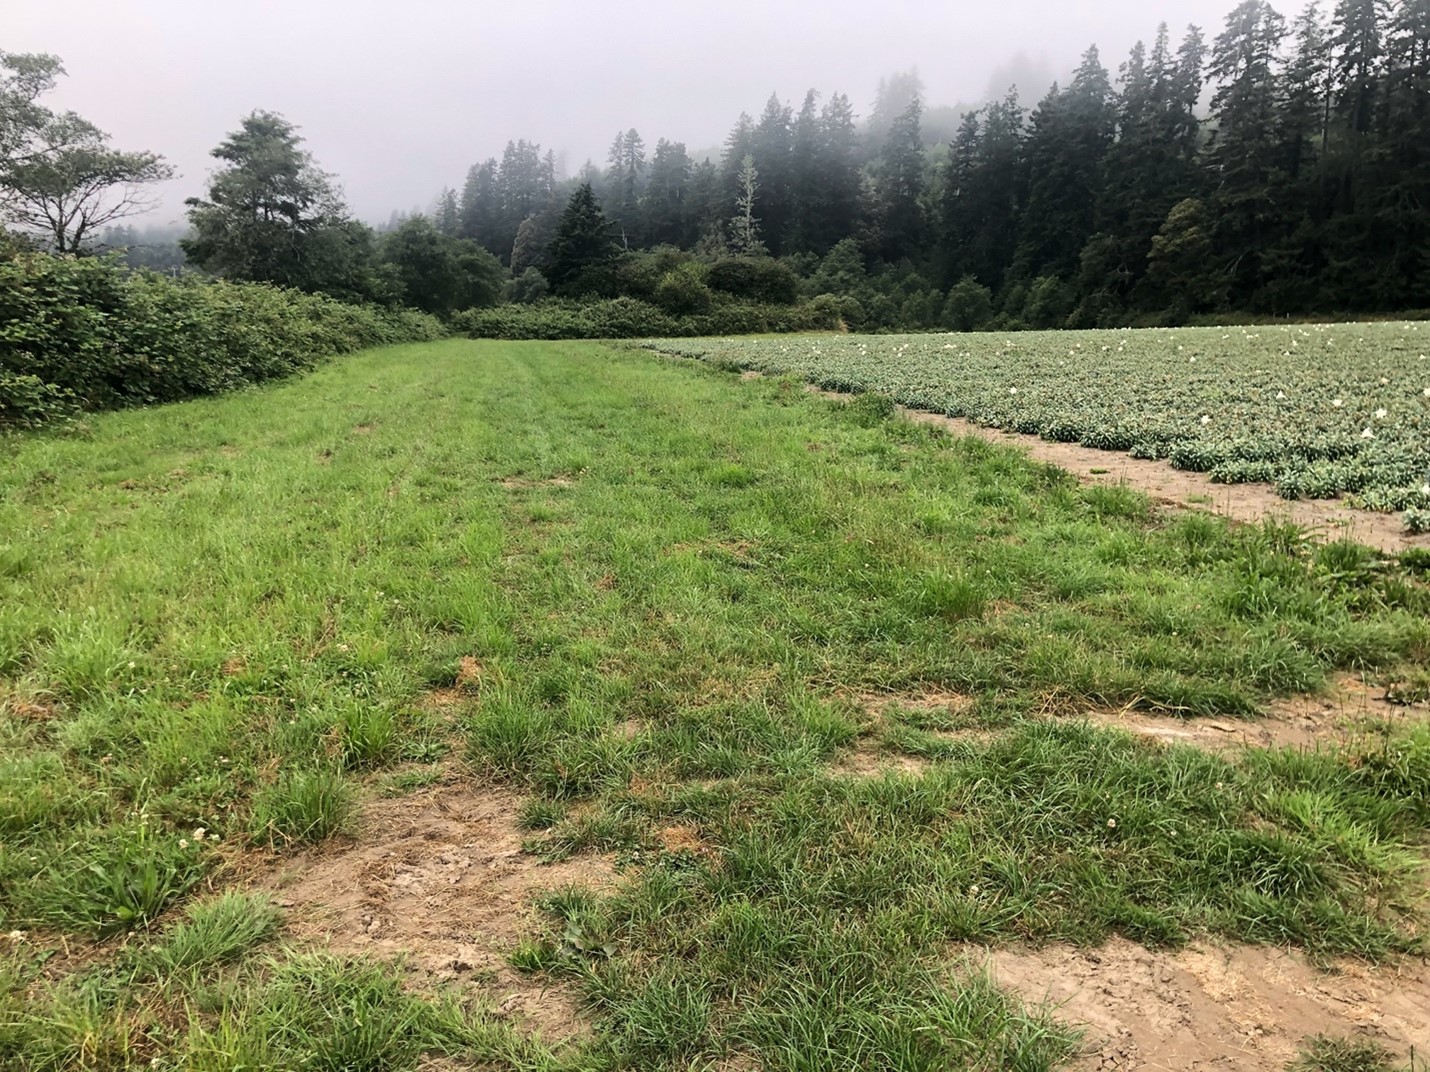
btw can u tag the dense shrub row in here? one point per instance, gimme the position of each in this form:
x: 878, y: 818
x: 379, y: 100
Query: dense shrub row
x: 82, y: 334
x: 631, y: 318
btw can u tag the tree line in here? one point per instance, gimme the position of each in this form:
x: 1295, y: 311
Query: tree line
x: 1280, y: 167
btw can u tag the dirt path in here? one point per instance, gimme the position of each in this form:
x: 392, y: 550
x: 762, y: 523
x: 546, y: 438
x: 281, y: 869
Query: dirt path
x: 1210, y: 1007
x: 438, y: 878
x: 1327, y: 519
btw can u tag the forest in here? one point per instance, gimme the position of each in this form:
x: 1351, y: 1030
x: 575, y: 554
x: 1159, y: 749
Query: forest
x: 1277, y: 168
x: 1281, y: 167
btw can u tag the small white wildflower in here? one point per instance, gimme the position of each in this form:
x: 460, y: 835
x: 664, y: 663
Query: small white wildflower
x: 1280, y: 396
x: 1381, y: 414
x: 1112, y: 824
x: 1012, y: 390
x: 200, y: 834
x: 1339, y: 402
x: 1425, y: 392
x: 131, y: 664
x: 1206, y: 419
x: 16, y: 936
x: 973, y: 891
x: 1193, y: 360
x: 183, y: 843
x: 1367, y: 434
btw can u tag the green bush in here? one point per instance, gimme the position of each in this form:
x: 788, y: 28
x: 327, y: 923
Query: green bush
x: 755, y: 279
x: 86, y: 334
x: 681, y: 292
x: 631, y: 318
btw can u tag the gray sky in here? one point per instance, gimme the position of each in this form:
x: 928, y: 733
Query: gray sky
x: 399, y: 98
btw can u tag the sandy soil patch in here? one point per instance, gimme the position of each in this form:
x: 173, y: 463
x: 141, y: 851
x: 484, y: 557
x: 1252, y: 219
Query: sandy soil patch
x: 1354, y: 709
x: 1213, y: 1007
x: 438, y: 877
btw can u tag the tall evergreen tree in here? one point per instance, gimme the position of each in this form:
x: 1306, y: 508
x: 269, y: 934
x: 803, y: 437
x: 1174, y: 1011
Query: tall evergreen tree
x: 670, y: 216
x: 582, y: 242
x: 837, y: 163
x: 1071, y: 133
x: 1244, y: 152
x: 899, y: 187
x: 771, y: 146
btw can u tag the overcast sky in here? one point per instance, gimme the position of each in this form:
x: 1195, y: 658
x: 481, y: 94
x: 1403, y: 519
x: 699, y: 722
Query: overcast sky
x: 398, y: 98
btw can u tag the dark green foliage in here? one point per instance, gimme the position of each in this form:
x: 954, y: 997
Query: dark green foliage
x: 85, y: 335
x: 755, y: 279
x: 439, y: 273
x: 273, y: 216
x: 631, y: 318
x: 583, y: 241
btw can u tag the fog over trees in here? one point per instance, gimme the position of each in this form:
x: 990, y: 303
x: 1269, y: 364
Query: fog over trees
x: 1269, y: 163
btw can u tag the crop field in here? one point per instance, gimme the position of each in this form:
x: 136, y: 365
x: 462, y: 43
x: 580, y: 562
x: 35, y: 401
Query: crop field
x: 562, y: 707
x: 1319, y: 411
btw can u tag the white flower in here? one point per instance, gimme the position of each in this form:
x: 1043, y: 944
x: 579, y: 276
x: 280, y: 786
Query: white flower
x: 1112, y: 824
x: 183, y: 843
x: 1367, y: 434
x: 1012, y: 390
x: 1338, y: 403
x: 16, y: 936
x: 200, y: 834
x: 1381, y: 414
x: 1425, y: 392
x: 1425, y: 488
x: 1280, y: 396
x: 1206, y: 419
x: 1193, y: 360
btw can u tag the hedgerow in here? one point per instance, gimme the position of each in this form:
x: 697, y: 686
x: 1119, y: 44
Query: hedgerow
x: 631, y: 318
x: 84, y: 334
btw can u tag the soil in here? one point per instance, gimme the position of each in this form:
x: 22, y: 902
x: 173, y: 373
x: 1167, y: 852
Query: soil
x: 438, y: 878
x: 1353, y: 709
x: 1231, y: 1009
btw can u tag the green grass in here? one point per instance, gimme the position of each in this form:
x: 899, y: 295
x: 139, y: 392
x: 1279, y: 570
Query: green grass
x: 225, y: 616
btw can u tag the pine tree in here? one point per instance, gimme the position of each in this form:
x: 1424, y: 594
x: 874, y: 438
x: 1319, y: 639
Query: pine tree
x: 583, y: 240
x: 1072, y: 131
x: 449, y: 214
x: 771, y: 147
x: 479, y: 204
x: 899, y: 187
x: 838, y: 167
x: 669, y: 217
x: 1244, y: 151
x: 1357, y: 28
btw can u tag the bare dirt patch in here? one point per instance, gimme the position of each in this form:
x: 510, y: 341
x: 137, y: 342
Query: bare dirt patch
x: 438, y: 877
x: 1353, y: 709
x: 1332, y: 520
x: 517, y: 483
x: 868, y: 760
x: 1215, y: 1007
x: 931, y: 701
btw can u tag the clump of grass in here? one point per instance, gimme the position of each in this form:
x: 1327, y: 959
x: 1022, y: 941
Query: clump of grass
x: 120, y: 879
x: 216, y: 931
x: 369, y: 736
x: 302, y: 806
x: 1328, y: 1053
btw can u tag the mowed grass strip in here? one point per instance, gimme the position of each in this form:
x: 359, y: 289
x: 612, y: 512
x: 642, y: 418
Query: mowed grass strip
x: 667, y: 594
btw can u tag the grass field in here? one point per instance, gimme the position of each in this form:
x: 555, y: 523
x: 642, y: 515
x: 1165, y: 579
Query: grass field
x: 666, y: 608
x: 1318, y: 410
